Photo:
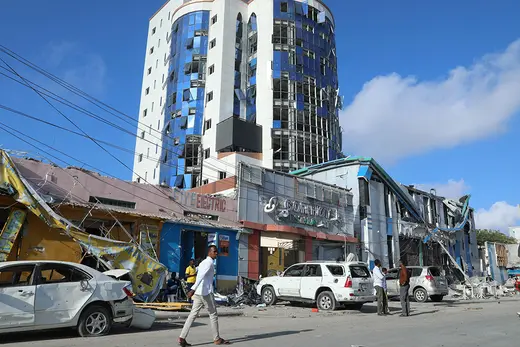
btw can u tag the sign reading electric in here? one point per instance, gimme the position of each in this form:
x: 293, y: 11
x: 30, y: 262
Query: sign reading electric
x: 301, y: 213
x: 204, y: 202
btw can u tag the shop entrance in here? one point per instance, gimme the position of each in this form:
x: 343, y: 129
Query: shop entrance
x: 279, y: 257
x: 194, y: 246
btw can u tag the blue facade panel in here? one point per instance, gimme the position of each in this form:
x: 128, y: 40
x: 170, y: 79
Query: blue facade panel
x: 184, y: 107
x: 177, y: 247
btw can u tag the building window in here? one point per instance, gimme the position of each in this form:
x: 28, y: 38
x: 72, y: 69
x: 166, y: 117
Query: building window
x: 204, y: 182
x: 209, y: 97
x: 169, y: 15
x: 222, y: 175
x: 113, y: 202
x: 156, y: 148
x: 212, y: 69
x: 154, y: 173
x: 159, y: 43
x: 145, y: 113
x: 152, y: 105
x: 151, y: 50
x: 140, y: 157
x: 149, y: 70
x: 213, y: 19
x: 213, y: 43
x: 147, y: 91
x: 153, y: 31
x: 284, y: 7
x: 207, y: 125
x: 207, y: 153
x: 142, y: 134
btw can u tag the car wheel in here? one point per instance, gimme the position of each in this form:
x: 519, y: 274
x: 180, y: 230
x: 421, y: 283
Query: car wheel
x: 94, y: 321
x: 268, y: 296
x: 437, y: 298
x: 326, y: 301
x: 420, y: 295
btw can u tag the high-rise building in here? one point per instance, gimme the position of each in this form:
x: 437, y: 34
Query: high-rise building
x: 237, y: 80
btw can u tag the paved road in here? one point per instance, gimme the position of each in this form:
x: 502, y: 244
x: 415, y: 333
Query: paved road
x: 478, y: 324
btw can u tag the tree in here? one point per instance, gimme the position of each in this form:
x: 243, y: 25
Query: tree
x: 486, y: 235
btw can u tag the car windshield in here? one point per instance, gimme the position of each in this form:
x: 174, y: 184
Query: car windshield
x: 359, y: 271
x: 435, y: 271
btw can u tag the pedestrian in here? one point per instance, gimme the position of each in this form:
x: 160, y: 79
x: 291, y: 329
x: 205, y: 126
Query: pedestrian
x: 191, y: 274
x: 378, y: 284
x: 202, y: 294
x: 404, y: 289
x: 385, y: 272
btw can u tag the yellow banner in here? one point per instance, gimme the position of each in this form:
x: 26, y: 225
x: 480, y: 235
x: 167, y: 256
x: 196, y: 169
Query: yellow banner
x: 147, y: 274
x: 10, y: 232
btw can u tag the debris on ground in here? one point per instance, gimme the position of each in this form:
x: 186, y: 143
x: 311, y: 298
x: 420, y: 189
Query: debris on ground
x: 245, y: 294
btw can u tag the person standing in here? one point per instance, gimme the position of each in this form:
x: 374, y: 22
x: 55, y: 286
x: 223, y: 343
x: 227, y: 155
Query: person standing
x: 378, y: 284
x: 202, y: 294
x: 191, y: 274
x: 385, y: 272
x: 404, y: 289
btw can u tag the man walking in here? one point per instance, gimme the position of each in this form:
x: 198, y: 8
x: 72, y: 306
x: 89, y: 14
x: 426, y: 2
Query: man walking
x: 202, y: 293
x: 404, y: 289
x: 380, y: 292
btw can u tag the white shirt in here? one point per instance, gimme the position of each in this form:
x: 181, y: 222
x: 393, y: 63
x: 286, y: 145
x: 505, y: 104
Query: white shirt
x: 204, y: 282
x: 378, y: 277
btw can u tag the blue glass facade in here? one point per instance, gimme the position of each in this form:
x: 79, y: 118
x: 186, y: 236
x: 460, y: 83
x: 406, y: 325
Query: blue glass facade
x: 252, y: 48
x: 238, y: 95
x: 306, y: 127
x: 181, y: 163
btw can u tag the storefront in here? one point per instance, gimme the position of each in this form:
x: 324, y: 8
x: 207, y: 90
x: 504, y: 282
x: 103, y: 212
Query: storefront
x: 290, y: 220
x: 213, y: 223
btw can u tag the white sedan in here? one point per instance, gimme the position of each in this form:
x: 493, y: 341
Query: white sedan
x: 41, y: 295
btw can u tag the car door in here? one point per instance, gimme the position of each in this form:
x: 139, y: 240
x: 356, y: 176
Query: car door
x: 61, y: 292
x: 17, y: 296
x: 311, y: 281
x: 392, y: 282
x: 289, y: 283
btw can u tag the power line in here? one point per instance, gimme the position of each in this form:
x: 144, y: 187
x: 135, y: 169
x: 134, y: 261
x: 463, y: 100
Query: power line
x: 89, y: 98
x: 97, y: 178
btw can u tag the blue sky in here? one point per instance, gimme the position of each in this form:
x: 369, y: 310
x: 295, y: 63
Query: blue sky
x: 427, y: 123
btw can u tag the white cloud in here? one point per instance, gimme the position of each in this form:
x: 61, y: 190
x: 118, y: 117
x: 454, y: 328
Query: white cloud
x: 499, y: 216
x: 394, y: 116
x: 77, y: 66
x: 452, y: 189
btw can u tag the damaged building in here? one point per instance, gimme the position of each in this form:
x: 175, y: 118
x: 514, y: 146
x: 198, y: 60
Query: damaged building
x: 394, y: 221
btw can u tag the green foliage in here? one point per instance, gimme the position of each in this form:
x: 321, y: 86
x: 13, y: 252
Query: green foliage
x: 486, y: 235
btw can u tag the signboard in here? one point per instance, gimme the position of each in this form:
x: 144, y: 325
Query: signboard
x: 200, y: 215
x: 289, y: 210
x: 200, y: 201
x: 223, y: 245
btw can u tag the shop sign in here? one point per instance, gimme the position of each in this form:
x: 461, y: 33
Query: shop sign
x: 288, y: 210
x: 223, y: 245
x: 200, y: 215
x: 200, y: 201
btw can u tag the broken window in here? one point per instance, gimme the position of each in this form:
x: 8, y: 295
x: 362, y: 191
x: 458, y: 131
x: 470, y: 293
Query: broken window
x: 186, y: 95
x: 189, y: 43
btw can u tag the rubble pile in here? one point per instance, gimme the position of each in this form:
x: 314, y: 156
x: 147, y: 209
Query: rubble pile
x: 246, y: 294
x: 479, y: 288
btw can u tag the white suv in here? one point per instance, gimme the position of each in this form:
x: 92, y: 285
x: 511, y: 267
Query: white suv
x: 327, y: 283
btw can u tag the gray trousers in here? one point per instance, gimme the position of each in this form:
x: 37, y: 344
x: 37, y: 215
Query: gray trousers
x: 404, y: 296
x: 382, y: 305
x: 199, y: 302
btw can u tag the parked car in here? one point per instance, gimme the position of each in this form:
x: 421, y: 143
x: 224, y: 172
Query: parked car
x: 41, y: 295
x: 425, y: 282
x: 328, y: 284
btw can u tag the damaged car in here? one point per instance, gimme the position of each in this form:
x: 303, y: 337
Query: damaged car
x: 42, y: 295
